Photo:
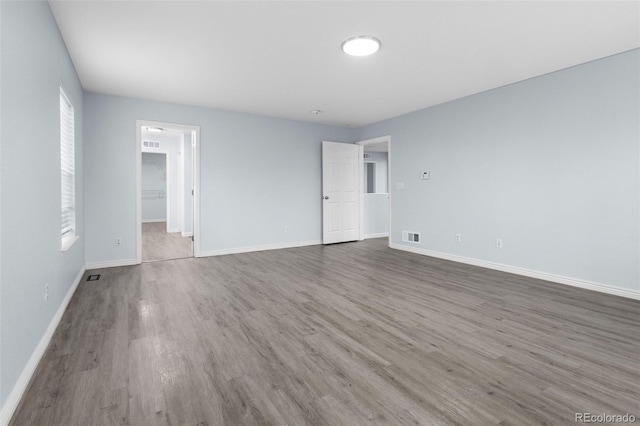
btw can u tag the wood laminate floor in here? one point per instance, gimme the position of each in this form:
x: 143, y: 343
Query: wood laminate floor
x: 347, y: 334
x: 158, y: 244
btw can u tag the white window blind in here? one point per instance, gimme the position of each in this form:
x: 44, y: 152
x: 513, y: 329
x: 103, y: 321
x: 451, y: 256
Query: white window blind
x: 68, y: 171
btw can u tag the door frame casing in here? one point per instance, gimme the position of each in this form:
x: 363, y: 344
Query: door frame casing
x: 362, y: 183
x: 195, y: 183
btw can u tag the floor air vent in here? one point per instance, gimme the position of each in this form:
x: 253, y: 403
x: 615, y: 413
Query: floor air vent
x: 410, y: 237
x: 93, y: 278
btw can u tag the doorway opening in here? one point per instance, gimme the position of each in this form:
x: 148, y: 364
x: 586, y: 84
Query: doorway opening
x: 167, y: 197
x: 375, y: 194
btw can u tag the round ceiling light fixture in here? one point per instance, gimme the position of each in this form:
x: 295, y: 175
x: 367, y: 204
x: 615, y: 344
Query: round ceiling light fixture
x: 361, y: 46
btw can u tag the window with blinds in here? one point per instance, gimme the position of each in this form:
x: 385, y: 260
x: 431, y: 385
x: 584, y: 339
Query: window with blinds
x: 68, y: 172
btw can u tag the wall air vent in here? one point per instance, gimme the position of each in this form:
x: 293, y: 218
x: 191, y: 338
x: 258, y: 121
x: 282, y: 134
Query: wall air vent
x: 151, y: 144
x: 410, y: 237
x: 367, y: 155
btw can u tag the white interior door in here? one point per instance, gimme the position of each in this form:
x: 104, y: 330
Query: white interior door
x: 340, y: 198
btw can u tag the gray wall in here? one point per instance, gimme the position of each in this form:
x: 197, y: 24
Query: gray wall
x: 551, y: 165
x: 154, y: 187
x: 376, y: 214
x: 34, y: 64
x: 258, y: 175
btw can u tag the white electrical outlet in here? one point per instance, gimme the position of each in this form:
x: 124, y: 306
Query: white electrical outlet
x: 498, y: 242
x: 458, y: 238
x: 46, y: 293
x: 118, y: 241
x: 286, y: 228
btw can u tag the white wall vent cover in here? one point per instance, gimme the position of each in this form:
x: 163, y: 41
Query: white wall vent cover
x: 151, y: 144
x: 367, y: 155
x: 410, y: 237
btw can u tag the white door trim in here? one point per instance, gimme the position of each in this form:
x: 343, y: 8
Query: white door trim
x: 196, y: 182
x: 365, y: 142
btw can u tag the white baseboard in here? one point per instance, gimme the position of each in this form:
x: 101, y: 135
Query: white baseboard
x: 380, y: 235
x: 23, y: 381
x: 187, y: 234
x: 112, y: 263
x: 153, y: 220
x: 237, y: 250
x: 603, y: 288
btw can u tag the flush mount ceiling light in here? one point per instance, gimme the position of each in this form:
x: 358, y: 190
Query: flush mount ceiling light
x: 155, y: 129
x: 316, y: 112
x: 361, y: 46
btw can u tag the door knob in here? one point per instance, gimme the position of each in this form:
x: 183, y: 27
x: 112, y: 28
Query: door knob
x: 326, y: 197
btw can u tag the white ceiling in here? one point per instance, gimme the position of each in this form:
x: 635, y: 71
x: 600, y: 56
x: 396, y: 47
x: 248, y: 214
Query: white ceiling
x: 283, y: 59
